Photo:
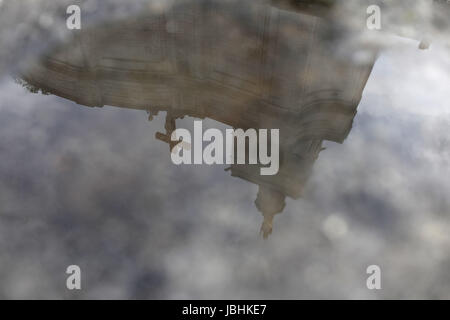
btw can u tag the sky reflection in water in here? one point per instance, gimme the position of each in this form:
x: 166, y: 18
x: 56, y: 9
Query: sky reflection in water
x: 93, y: 187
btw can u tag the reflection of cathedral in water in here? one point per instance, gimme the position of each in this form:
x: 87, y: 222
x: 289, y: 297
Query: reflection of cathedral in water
x: 254, y: 66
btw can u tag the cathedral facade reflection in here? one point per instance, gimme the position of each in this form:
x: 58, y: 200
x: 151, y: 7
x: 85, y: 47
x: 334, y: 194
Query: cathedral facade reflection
x: 255, y: 66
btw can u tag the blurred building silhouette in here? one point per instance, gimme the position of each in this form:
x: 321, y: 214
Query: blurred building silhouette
x: 252, y: 66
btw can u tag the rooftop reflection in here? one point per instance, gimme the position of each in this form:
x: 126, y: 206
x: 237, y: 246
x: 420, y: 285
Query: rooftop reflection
x: 256, y: 66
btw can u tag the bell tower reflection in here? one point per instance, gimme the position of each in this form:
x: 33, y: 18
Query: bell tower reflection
x: 252, y: 66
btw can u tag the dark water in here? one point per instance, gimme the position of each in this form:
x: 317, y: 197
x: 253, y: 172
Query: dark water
x: 86, y: 177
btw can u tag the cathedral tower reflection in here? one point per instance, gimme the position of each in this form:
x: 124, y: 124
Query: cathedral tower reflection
x: 252, y: 66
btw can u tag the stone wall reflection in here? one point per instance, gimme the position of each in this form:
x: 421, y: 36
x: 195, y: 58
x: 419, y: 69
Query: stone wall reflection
x: 255, y: 66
